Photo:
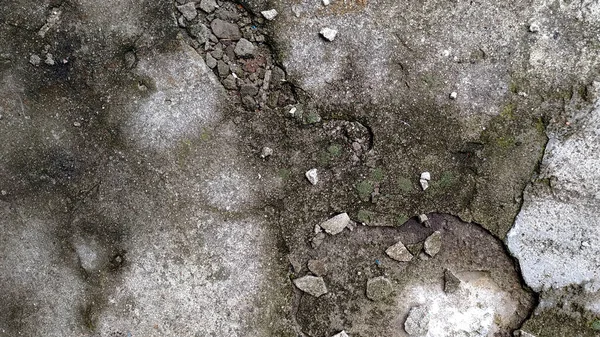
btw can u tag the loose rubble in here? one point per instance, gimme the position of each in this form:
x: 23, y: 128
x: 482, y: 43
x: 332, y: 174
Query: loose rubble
x: 399, y: 252
x: 270, y: 14
x: 312, y: 285
x: 453, y: 95
x: 244, y: 48
x: 417, y: 322
x: 336, y: 224
x: 208, y: 5
x: 424, y: 180
x: 534, y: 27
x: 341, y: 334
x: 433, y: 244
x: 328, y: 33
x: 451, y: 282
x: 317, y: 240
x: 312, y: 176
x: 317, y: 267
x: 266, y: 152
x: 378, y: 288
x: 423, y: 219
x: 188, y: 10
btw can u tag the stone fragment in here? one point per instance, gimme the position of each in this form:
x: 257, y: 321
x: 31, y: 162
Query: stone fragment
x: 225, y: 30
x: 312, y: 285
x: 312, y: 176
x: 417, y: 322
x: 317, y: 267
x: 415, y: 248
x: 35, y: 60
x: 188, y: 10
x: 534, y: 27
x: 223, y: 68
x: 336, y: 224
x: 451, y: 282
x: 453, y: 95
x: 341, y: 334
x: 318, y: 229
x: 424, y: 184
x: 266, y: 152
x: 317, y: 240
x: 244, y: 48
x: 229, y: 83
x: 198, y: 31
x: 328, y: 33
x: 49, y: 59
x: 426, y: 176
x: 378, y: 288
x: 326, y: 2
x: 249, y: 103
x: 248, y: 90
x: 217, y: 53
x: 433, y: 243
x: 399, y: 252
x: 522, y: 333
x: 270, y: 14
x: 422, y: 218
x: 211, y: 62
x: 208, y: 5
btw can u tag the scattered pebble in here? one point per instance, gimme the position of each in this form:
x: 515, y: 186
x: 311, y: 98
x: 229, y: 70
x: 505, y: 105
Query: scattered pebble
x: 4, y: 193
x: 211, y: 62
x: 422, y: 218
x: 317, y: 240
x: 35, y: 60
x: 318, y: 229
x: 433, y: 244
x: 188, y: 10
x: 522, y: 333
x: 399, y: 252
x: 451, y: 282
x: 225, y: 30
x: 341, y: 334
x: 312, y: 285
x: 336, y: 224
x: 270, y: 14
x: 245, y: 48
x: 49, y: 60
x: 76, y: 124
x: 417, y: 322
x: 326, y: 2
x: 328, y: 33
x: 312, y: 176
x: 266, y: 152
x: 453, y: 95
x: 425, y: 177
x: 317, y: 267
x: 208, y: 5
x: 378, y: 288
x: 534, y: 27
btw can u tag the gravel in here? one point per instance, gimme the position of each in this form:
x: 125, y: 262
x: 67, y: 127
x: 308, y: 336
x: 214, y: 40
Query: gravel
x: 328, y: 34
x: 245, y: 48
x: 312, y: 285
x: 317, y: 267
x: 336, y: 224
x: 208, y: 5
x: 399, y: 252
x: 312, y: 176
x: 417, y: 322
x: 211, y: 62
x: 433, y: 244
x: 225, y: 30
x: 270, y: 14
x: 378, y: 288
x: 451, y: 282
x: 266, y: 152
x: 188, y: 10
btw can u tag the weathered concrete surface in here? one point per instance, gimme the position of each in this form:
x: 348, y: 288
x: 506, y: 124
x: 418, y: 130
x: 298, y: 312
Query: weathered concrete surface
x: 556, y: 234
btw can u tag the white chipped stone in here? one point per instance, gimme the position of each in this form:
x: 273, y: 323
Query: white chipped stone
x: 341, y: 334
x: 326, y: 2
x: 312, y: 176
x: 453, y: 95
x: 312, y: 285
x: 417, y: 322
x: 534, y: 27
x: 423, y: 218
x: 525, y: 334
x: 426, y: 176
x: 336, y: 224
x: 399, y: 252
x: 318, y: 229
x: 424, y: 184
x: 433, y: 244
x: 266, y: 152
x: 208, y: 5
x: 270, y: 14
x: 328, y: 33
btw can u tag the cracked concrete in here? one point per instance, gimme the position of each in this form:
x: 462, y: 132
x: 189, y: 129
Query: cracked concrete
x: 135, y: 200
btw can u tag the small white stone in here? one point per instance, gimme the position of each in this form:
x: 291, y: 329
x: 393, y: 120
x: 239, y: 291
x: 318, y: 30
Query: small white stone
x: 525, y: 334
x: 328, y: 33
x: 312, y: 176
x: 426, y: 176
x: 3, y: 192
x: 266, y: 152
x: 270, y: 14
x: 35, y: 60
x: 336, y: 224
x: 424, y: 184
x: 326, y: 2
x: 293, y: 111
x: 318, y: 229
x: 423, y: 218
x: 76, y: 124
x: 534, y: 27
x: 341, y: 334
x: 453, y: 95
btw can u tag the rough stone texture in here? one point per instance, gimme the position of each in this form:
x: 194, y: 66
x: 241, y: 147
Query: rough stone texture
x: 225, y: 30
x: 399, y: 252
x: 417, y: 322
x: 433, y: 244
x: 556, y: 234
x: 245, y: 48
x: 317, y: 267
x: 208, y: 5
x: 188, y: 10
x: 336, y: 224
x: 451, y: 282
x: 378, y: 288
x: 312, y: 285
x: 341, y: 334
